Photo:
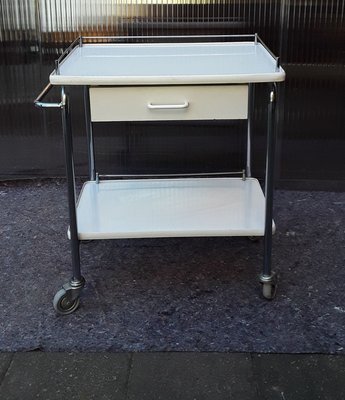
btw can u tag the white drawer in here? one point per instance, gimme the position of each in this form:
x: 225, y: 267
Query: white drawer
x: 155, y: 103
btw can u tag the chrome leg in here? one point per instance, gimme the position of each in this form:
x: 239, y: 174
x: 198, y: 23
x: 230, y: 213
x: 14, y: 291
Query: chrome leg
x: 267, y: 277
x: 249, y: 129
x: 89, y: 135
x: 66, y: 299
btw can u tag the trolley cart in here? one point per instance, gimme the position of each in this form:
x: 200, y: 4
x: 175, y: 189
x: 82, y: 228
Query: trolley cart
x: 161, y: 79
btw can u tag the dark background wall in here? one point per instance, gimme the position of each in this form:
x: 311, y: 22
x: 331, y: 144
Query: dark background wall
x: 309, y: 36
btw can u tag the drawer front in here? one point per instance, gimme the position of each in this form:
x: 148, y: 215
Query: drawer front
x: 162, y: 103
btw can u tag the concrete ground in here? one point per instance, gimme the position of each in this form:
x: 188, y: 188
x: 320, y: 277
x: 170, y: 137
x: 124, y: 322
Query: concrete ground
x: 165, y: 376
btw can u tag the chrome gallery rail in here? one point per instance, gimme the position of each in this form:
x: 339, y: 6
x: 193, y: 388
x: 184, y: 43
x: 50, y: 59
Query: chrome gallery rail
x: 79, y: 41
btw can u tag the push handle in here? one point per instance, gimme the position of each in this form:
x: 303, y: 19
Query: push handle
x: 41, y: 104
x: 168, y: 106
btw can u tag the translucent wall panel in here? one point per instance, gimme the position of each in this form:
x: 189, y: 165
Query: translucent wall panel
x: 313, y: 132
x: 308, y: 35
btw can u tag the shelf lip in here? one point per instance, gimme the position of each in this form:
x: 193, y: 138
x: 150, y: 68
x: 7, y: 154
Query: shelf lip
x: 162, y: 235
x: 161, y: 208
x: 124, y: 80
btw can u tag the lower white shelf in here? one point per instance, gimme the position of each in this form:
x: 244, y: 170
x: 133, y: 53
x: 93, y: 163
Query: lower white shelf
x: 171, y: 208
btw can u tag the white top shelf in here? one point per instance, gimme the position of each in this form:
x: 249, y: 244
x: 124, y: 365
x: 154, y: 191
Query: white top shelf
x: 168, y: 64
x: 186, y: 207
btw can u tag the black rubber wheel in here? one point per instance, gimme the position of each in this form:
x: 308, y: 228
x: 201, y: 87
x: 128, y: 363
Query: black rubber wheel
x: 63, y: 304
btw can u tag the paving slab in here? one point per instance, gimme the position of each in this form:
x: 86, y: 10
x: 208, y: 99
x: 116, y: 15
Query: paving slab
x: 300, y: 377
x: 5, y: 361
x: 55, y: 376
x: 191, y: 376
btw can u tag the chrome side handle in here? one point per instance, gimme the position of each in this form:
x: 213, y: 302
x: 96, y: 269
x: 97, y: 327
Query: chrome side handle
x: 41, y: 104
x: 152, y: 106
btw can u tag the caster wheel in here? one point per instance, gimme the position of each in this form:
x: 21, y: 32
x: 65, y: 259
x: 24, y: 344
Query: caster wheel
x: 63, y: 304
x: 269, y: 290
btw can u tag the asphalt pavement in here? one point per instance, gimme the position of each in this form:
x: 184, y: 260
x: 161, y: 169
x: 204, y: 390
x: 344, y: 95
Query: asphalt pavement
x: 171, y: 376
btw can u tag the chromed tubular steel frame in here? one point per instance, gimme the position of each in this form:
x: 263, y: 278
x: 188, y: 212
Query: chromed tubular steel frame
x: 266, y: 276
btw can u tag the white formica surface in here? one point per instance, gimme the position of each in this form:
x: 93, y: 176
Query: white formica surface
x: 170, y: 208
x: 168, y: 63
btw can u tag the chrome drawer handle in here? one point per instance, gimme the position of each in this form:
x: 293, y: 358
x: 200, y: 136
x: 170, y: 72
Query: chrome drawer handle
x: 167, y: 106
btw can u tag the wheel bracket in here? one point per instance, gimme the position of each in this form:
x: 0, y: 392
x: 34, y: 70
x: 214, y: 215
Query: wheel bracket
x: 269, y: 285
x: 74, y: 287
x: 273, y: 279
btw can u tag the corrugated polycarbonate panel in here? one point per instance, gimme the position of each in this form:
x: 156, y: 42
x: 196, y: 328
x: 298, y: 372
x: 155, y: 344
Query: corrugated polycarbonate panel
x: 313, y: 132
x: 308, y: 35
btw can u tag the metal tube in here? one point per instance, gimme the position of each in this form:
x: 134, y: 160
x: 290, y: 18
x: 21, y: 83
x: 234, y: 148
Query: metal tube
x: 269, y: 51
x: 166, y: 37
x: 249, y: 129
x: 57, y: 70
x: 267, y: 272
x: 68, y: 142
x: 39, y: 103
x: 89, y: 135
x: 76, y: 42
x: 240, y: 173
